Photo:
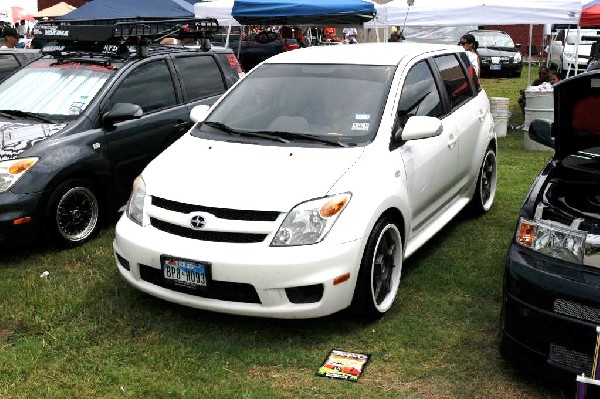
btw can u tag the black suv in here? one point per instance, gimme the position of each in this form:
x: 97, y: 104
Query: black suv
x: 13, y: 59
x: 80, y: 123
x: 551, y: 301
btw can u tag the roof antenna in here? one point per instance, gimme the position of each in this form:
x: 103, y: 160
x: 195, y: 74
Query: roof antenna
x: 410, y: 3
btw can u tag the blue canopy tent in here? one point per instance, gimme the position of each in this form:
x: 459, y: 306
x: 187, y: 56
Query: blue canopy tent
x: 303, y: 12
x: 110, y: 10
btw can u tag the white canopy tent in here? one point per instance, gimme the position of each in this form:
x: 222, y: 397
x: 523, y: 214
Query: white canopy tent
x: 482, y: 12
x: 219, y: 9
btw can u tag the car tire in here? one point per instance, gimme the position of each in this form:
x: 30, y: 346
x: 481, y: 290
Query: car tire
x: 485, y: 191
x: 516, y: 74
x: 74, y: 212
x: 380, y: 271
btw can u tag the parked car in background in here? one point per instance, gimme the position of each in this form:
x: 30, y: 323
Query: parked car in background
x: 303, y: 189
x: 13, y: 59
x: 568, y: 53
x: 551, y: 295
x: 80, y: 123
x: 498, y: 54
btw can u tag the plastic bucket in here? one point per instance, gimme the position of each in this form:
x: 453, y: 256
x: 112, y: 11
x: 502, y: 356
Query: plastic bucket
x: 500, y: 125
x: 499, y: 109
x: 499, y: 106
x: 538, y: 105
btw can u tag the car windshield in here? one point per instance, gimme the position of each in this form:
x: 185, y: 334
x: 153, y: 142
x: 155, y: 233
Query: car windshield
x: 494, y: 40
x: 317, y: 103
x: 58, y: 91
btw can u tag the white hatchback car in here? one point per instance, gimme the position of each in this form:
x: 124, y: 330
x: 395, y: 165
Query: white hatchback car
x: 303, y: 189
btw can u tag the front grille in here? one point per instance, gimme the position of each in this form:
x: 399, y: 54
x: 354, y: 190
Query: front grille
x: 568, y: 357
x: 204, y: 235
x: 577, y: 310
x: 224, y: 291
x: 222, y: 213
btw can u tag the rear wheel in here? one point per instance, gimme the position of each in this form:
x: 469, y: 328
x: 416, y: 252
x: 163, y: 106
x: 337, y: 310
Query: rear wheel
x: 380, y: 270
x: 485, y: 192
x: 74, y: 212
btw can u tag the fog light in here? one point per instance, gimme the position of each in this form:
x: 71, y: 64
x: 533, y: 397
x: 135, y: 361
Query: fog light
x: 24, y: 220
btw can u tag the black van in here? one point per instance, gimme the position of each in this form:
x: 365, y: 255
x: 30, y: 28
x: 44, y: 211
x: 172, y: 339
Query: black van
x: 78, y: 124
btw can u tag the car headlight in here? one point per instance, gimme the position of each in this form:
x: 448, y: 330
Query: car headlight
x: 309, y: 222
x: 135, y: 205
x: 11, y: 171
x: 552, y: 239
x: 517, y: 58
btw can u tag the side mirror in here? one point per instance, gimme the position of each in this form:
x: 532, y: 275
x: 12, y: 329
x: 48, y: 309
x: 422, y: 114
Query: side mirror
x: 421, y: 127
x: 121, y: 112
x: 199, y: 113
x: 540, y: 131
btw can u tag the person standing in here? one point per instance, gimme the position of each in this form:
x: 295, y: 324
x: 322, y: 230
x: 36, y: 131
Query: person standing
x: 469, y: 43
x: 22, y: 29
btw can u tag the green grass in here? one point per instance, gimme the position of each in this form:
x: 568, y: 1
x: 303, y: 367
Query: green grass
x: 82, y: 332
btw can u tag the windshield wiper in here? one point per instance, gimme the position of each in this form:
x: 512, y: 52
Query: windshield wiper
x: 227, y: 129
x: 309, y: 137
x: 11, y: 113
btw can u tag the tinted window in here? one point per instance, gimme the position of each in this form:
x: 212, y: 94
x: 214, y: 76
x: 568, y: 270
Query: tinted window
x: 150, y: 86
x: 420, y: 95
x: 8, y: 63
x: 455, y: 81
x: 201, y: 76
x: 465, y: 60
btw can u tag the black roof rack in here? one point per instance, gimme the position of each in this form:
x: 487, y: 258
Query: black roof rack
x: 115, y: 38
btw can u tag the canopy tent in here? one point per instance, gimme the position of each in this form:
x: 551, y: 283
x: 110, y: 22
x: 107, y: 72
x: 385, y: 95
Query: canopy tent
x: 590, y: 13
x: 139, y: 9
x: 218, y: 9
x: 483, y: 12
x: 56, y: 10
x: 303, y: 12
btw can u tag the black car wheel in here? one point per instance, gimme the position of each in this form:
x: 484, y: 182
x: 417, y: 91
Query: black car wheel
x: 74, y: 212
x: 485, y: 192
x: 380, y: 270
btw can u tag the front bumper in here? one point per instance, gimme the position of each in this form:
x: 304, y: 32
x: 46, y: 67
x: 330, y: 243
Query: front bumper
x: 251, y: 279
x: 505, y: 68
x: 16, y: 206
x: 550, y: 312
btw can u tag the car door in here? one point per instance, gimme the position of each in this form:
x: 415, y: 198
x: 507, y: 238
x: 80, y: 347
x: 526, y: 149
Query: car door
x: 430, y: 163
x: 466, y: 116
x: 134, y: 143
x: 8, y: 64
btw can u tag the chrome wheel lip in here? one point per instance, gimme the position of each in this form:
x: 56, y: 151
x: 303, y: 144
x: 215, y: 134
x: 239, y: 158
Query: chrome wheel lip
x: 77, y: 214
x: 388, y: 265
x: 488, y: 179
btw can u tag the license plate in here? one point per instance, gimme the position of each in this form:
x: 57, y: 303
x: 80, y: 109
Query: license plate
x: 184, y: 272
x: 495, y: 67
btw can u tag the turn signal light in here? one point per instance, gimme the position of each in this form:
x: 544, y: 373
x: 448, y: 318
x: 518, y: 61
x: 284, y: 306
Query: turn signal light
x: 525, y: 233
x: 21, y: 166
x: 24, y: 220
x: 334, y: 206
x: 341, y: 279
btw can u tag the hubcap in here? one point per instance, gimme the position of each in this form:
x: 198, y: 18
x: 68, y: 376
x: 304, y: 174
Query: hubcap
x: 488, y: 180
x: 386, y: 267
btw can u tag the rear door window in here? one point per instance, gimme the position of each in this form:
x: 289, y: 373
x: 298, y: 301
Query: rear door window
x: 201, y: 76
x: 455, y: 82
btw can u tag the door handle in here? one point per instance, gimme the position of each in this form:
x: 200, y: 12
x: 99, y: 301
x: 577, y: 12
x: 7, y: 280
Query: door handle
x: 181, y: 126
x: 453, y: 139
x: 481, y: 115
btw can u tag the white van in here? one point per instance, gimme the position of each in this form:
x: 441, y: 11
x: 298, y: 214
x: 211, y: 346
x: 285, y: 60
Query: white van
x: 566, y: 48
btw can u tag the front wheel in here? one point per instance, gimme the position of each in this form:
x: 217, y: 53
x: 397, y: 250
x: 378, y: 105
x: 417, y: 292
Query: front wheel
x: 380, y: 270
x: 485, y: 192
x: 74, y: 212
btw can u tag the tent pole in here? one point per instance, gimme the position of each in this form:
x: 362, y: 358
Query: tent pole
x: 228, y: 33
x: 529, y: 56
x: 577, y: 50
x: 376, y: 28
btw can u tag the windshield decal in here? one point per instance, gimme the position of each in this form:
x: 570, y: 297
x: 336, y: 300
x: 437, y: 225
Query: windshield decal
x: 18, y: 137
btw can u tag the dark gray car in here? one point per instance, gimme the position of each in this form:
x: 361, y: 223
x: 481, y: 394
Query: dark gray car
x: 498, y: 54
x: 13, y: 59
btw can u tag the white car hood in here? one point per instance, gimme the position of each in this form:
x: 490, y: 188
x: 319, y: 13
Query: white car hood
x: 16, y: 137
x: 245, y: 176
